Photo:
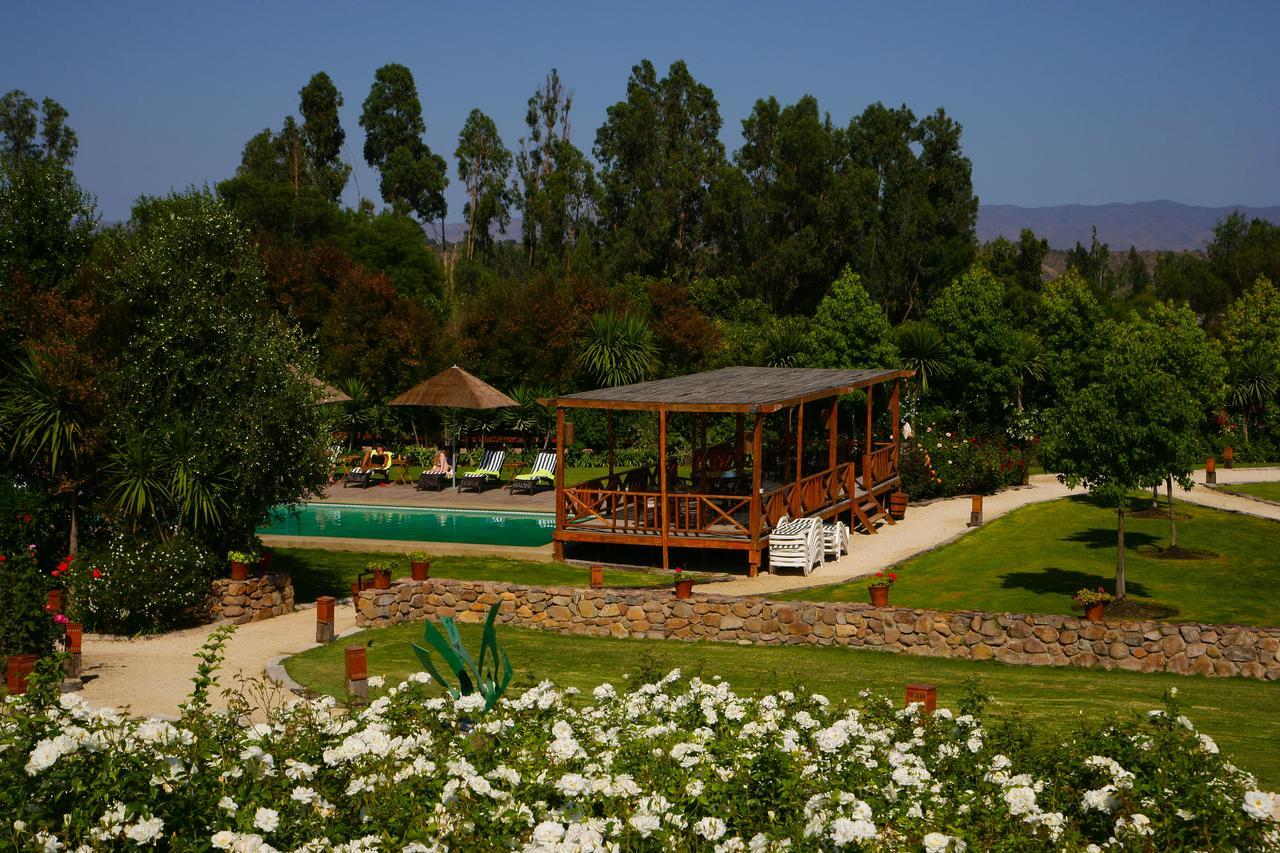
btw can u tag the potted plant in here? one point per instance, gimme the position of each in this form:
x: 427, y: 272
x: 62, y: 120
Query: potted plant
x: 381, y: 574
x: 420, y: 565
x: 597, y: 576
x: 879, y: 587
x: 684, y: 585
x: 1094, y: 602
x: 240, y: 562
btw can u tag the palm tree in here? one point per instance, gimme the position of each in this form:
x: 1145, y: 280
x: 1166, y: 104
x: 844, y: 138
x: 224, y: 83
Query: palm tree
x: 784, y: 343
x: 43, y: 422
x: 618, y: 349
x: 1026, y: 360
x: 1254, y: 382
x: 922, y: 348
x: 167, y: 481
x: 355, y: 410
x: 528, y: 416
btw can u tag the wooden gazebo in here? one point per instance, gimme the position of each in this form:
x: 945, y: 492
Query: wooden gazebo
x: 735, y: 493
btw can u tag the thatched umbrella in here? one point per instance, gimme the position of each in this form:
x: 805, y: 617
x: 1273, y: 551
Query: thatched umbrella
x: 331, y: 394
x: 454, y: 389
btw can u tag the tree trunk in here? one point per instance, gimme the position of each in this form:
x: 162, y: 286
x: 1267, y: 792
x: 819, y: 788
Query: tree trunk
x: 73, y: 545
x: 1120, y: 548
x: 1244, y: 420
x: 1173, y: 523
x: 1155, y: 497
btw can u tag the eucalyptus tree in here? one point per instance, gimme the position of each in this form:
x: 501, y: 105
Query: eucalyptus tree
x: 659, y: 150
x: 322, y: 132
x: 412, y: 177
x: 19, y: 118
x: 484, y: 164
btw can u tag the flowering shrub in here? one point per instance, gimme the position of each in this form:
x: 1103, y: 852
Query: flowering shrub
x: 1088, y: 596
x: 936, y: 463
x: 129, y: 586
x: 885, y: 579
x: 671, y: 765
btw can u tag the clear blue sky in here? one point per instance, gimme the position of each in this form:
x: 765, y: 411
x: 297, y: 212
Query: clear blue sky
x: 1082, y: 102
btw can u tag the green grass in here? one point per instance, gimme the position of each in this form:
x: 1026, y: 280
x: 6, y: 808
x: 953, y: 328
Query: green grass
x: 317, y: 572
x: 1269, y: 491
x: 1033, y: 559
x: 1242, y: 715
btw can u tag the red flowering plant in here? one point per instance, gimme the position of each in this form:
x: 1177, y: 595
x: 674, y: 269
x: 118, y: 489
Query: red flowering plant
x: 880, y: 579
x: 937, y: 462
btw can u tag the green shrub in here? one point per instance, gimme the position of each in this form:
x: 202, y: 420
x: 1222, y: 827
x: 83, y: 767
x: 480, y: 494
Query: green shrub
x: 25, y: 627
x: 128, y: 585
x: 936, y: 463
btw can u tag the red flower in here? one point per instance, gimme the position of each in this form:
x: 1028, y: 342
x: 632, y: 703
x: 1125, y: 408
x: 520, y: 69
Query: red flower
x: 892, y: 576
x: 678, y: 569
x: 26, y: 518
x: 54, y: 573
x: 61, y: 619
x: 63, y: 566
x: 96, y: 574
x: 3, y: 558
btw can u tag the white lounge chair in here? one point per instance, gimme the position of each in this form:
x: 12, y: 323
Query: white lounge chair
x: 835, y: 539
x: 796, y: 543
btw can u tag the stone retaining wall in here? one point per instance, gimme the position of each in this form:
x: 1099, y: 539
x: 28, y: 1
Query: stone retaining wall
x: 252, y: 600
x: 1035, y: 640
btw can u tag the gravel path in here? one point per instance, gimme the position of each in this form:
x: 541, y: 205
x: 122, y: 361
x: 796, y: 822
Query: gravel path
x: 152, y: 675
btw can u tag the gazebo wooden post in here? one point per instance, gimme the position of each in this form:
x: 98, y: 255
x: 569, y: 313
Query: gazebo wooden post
x: 797, y: 503
x: 893, y: 408
x: 612, y: 441
x: 757, y: 506
x: 739, y: 444
x: 558, y: 548
x: 869, y: 448
x: 662, y: 484
x: 832, y: 433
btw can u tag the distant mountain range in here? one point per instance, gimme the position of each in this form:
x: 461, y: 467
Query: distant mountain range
x: 1147, y: 224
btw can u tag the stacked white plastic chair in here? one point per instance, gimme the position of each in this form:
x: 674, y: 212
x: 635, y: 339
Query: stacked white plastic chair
x: 796, y: 544
x: 835, y: 539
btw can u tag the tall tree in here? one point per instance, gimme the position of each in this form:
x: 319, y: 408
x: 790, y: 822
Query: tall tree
x: 556, y: 187
x: 322, y: 132
x: 850, y: 329
x: 483, y: 165
x: 920, y: 190
x: 1251, y: 343
x: 411, y: 177
x: 1094, y: 266
x: 56, y: 143
x: 659, y: 150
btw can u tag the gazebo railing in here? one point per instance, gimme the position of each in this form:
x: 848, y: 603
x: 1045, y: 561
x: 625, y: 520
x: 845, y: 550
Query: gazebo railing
x: 879, y: 466
x: 811, y: 494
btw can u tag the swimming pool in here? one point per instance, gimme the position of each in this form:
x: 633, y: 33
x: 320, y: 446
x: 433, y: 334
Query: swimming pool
x: 426, y: 524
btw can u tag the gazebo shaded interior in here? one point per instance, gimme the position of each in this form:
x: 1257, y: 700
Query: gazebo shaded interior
x: 796, y: 451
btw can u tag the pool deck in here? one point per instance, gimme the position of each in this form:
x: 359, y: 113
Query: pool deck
x: 396, y: 494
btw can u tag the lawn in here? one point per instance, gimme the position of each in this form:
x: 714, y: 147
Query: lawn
x: 318, y: 572
x: 1033, y: 559
x: 1269, y: 491
x: 1242, y: 715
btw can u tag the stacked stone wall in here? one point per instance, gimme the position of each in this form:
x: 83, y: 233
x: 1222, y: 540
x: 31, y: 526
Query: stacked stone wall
x: 252, y: 600
x: 1033, y: 640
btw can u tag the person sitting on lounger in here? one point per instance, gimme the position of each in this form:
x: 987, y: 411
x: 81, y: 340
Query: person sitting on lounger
x: 439, y: 472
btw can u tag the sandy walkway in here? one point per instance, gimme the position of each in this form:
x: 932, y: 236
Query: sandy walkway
x: 152, y: 675
x: 1236, y: 503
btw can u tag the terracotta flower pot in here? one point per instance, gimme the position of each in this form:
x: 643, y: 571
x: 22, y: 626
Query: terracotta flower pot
x: 75, y: 638
x: 597, y: 577
x: 879, y: 595
x: 1229, y: 456
x: 381, y: 579
x: 898, y: 505
x: 264, y: 560
x: 239, y: 571
x: 1095, y: 612
x: 684, y: 589
x: 420, y: 570
x: 17, y: 670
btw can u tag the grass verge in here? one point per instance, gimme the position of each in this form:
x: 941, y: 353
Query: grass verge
x: 1033, y: 559
x: 1242, y: 715
x: 317, y: 572
x: 1268, y: 491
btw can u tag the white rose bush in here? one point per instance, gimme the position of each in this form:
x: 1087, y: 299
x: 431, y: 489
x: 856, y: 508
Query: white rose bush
x: 675, y: 764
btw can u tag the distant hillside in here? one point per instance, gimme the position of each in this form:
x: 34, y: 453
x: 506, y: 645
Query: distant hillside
x: 1146, y: 225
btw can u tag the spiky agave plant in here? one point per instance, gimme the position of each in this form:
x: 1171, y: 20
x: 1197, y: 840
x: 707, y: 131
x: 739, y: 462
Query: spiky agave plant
x: 489, y: 676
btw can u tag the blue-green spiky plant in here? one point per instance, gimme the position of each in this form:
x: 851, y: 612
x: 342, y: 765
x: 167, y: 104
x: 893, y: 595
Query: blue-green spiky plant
x: 489, y: 677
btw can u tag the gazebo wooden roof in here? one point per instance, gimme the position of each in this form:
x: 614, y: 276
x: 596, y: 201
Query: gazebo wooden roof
x: 731, y: 389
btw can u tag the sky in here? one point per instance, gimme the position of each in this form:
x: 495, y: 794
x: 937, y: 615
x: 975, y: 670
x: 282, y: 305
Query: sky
x: 1081, y: 102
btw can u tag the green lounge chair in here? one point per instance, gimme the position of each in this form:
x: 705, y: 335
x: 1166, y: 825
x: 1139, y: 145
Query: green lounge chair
x: 489, y: 471
x: 543, y: 471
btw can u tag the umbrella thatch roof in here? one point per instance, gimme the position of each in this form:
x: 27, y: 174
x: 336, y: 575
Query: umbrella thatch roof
x: 454, y: 388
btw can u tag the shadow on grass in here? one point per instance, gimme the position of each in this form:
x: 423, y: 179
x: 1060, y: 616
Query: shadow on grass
x: 1103, y: 537
x: 312, y: 580
x: 1055, y: 581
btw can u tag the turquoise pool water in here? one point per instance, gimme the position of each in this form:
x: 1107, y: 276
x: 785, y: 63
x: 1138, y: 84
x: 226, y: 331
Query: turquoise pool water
x: 355, y: 521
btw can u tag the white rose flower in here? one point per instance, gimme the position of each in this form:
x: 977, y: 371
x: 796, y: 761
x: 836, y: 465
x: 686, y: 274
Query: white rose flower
x: 223, y: 840
x: 844, y: 831
x: 572, y: 785
x: 1259, y: 804
x: 228, y: 805
x: 936, y: 842
x: 710, y: 828
x: 644, y: 823
x: 548, y: 833
x: 268, y: 820
x: 145, y: 832
x: 1021, y: 800
x: 376, y: 681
